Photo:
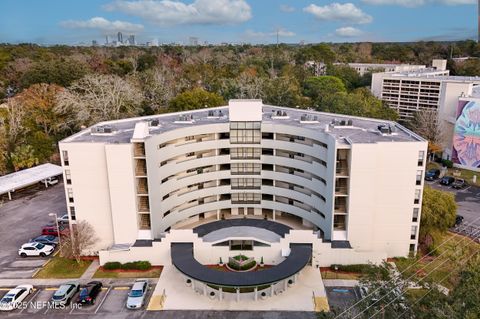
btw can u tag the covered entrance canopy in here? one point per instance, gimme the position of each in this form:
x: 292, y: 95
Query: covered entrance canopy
x: 184, y: 260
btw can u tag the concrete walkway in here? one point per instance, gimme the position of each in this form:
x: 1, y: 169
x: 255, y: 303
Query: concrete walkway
x: 88, y: 274
x: 340, y: 282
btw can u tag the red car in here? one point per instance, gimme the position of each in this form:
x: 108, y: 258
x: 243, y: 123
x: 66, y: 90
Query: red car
x: 52, y: 230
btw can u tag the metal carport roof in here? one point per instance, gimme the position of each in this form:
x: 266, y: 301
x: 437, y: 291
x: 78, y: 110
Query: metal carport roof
x: 11, y: 182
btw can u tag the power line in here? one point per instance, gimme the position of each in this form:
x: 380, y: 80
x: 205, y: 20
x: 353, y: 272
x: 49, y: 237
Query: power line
x: 443, y: 243
x: 407, y: 280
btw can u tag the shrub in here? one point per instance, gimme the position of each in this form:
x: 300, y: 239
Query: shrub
x: 359, y: 268
x: 447, y: 163
x: 136, y: 265
x: 112, y: 265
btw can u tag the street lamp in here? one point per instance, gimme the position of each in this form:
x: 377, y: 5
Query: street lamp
x: 58, y: 228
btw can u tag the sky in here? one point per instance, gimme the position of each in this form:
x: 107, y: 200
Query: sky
x: 72, y: 22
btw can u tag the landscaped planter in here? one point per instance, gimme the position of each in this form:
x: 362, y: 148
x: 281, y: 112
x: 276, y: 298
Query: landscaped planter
x: 241, y: 263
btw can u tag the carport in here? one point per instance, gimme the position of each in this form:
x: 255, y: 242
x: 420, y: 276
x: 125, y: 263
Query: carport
x: 27, y: 177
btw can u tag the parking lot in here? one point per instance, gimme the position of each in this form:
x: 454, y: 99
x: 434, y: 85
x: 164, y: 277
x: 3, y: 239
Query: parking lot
x: 468, y: 201
x: 22, y: 219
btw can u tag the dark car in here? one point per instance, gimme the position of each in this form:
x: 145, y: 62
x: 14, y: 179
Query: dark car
x: 458, y: 220
x: 46, y: 240
x: 447, y: 180
x: 50, y: 229
x: 459, y: 183
x: 432, y: 174
x: 89, y: 292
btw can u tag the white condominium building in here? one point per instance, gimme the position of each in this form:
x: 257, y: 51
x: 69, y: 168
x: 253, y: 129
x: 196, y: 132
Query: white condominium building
x: 364, y: 68
x: 350, y: 187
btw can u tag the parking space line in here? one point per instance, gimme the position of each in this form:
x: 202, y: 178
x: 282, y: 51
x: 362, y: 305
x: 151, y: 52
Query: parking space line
x: 37, y: 291
x: 104, y: 297
x: 51, y: 288
x: 121, y: 288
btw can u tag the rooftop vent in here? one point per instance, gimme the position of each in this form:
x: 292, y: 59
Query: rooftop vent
x: 215, y: 114
x: 185, y: 118
x: 308, y: 118
x: 154, y: 123
x: 337, y: 123
x: 279, y: 114
x: 103, y: 129
x: 387, y: 129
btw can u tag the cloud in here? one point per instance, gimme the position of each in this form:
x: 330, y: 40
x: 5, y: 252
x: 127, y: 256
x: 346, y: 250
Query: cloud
x: 286, y: 8
x: 281, y: 33
x: 347, y: 12
x: 348, y: 32
x: 102, y: 24
x: 171, y: 12
x: 418, y: 3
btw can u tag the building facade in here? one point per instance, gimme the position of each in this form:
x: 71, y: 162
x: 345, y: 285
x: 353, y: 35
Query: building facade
x: 351, y: 187
x: 364, y: 68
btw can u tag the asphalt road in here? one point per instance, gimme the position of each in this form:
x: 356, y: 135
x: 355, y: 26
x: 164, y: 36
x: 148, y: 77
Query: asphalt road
x: 468, y: 201
x: 22, y: 219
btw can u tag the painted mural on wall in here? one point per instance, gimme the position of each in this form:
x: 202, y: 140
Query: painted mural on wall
x: 466, y: 138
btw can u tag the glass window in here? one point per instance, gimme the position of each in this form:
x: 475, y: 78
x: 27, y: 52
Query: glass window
x: 413, y: 234
x: 70, y: 195
x: 339, y: 222
x: 415, y: 214
x: 417, y: 196
x: 245, y: 153
x: 68, y: 176
x: 419, y: 178
x: 246, y: 168
x: 245, y: 133
x: 65, y: 158
x: 72, y: 213
x: 246, y: 183
x: 250, y: 198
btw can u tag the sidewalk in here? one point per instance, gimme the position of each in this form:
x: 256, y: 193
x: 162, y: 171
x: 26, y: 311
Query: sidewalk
x: 88, y: 274
x: 340, y: 282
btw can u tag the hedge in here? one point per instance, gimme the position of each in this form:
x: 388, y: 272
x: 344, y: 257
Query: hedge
x: 135, y: 265
x: 359, y: 268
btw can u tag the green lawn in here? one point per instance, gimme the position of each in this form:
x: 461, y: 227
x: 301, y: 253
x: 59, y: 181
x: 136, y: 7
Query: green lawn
x: 327, y: 274
x: 60, y: 267
x: 449, y: 264
x: 152, y: 273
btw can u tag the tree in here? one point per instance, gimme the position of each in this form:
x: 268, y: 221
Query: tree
x: 159, y: 87
x: 39, y: 102
x: 317, y: 88
x: 62, y: 73
x: 282, y: 91
x: 426, y: 124
x: 23, y: 156
x: 195, y: 99
x: 80, y: 240
x: 439, y: 210
x: 98, y: 98
x: 348, y: 75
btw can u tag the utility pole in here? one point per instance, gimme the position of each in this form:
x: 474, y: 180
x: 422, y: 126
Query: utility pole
x: 478, y: 18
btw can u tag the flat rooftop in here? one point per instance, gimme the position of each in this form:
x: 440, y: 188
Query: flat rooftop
x: 27, y: 177
x: 361, y: 130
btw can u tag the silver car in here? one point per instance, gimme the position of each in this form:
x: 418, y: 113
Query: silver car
x: 136, y: 296
x: 65, y: 293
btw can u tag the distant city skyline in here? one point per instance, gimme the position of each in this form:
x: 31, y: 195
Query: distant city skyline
x: 236, y: 21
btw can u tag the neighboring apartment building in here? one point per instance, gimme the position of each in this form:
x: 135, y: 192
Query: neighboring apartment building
x: 351, y: 187
x: 466, y: 135
x: 431, y: 89
x: 364, y: 68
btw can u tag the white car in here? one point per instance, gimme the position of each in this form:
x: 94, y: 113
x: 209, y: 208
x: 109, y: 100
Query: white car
x: 50, y: 181
x: 63, y: 219
x: 14, y: 297
x: 35, y: 249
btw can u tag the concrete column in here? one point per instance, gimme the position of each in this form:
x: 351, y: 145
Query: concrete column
x: 295, y: 278
x: 205, y: 289
x: 218, y: 213
x: 220, y: 293
x: 274, y: 213
x: 256, y: 293
x: 193, y: 285
x: 285, y: 284
x: 238, y: 295
x: 271, y: 290
x: 9, y: 196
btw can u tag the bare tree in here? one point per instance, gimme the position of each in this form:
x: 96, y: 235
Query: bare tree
x: 159, y: 87
x: 97, y: 98
x: 79, y: 242
x: 427, y: 124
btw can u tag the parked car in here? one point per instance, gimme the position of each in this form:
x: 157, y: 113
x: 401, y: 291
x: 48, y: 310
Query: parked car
x: 51, y: 229
x: 459, y: 183
x: 46, y: 240
x: 432, y: 174
x: 64, y: 294
x: 136, y: 296
x: 35, y: 249
x: 89, y: 293
x: 447, y: 180
x: 50, y: 181
x: 63, y: 219
x: 14, y: 297
x: 458, y: 220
